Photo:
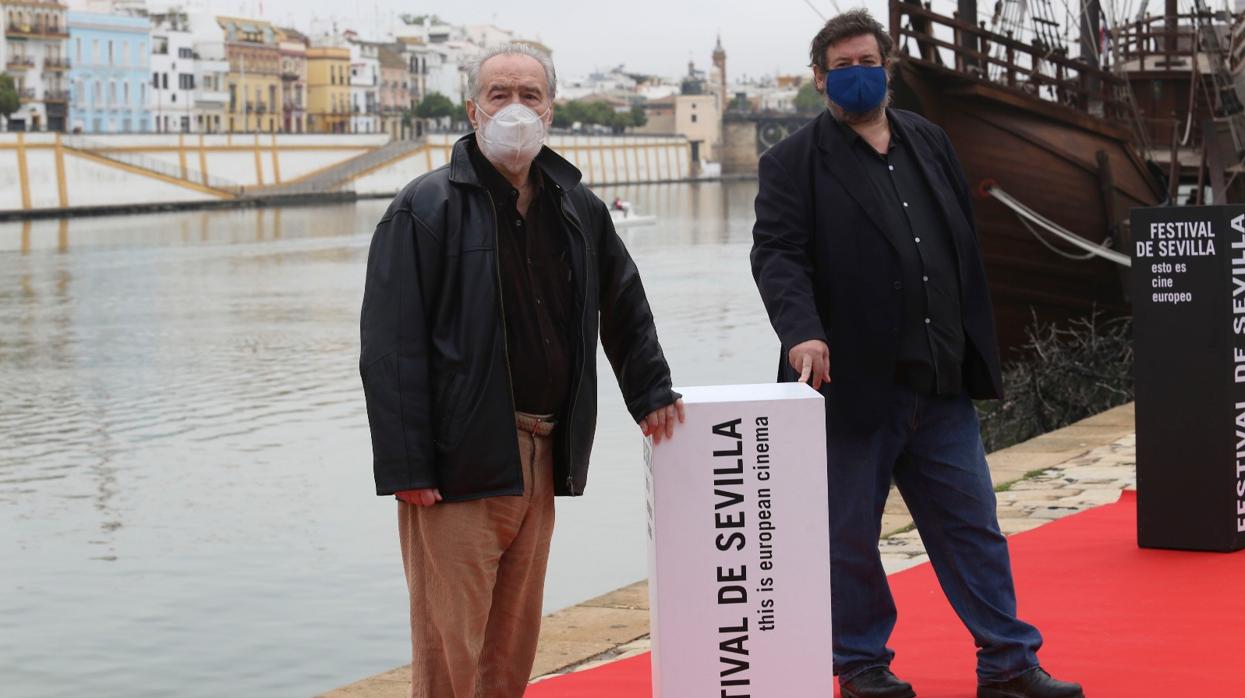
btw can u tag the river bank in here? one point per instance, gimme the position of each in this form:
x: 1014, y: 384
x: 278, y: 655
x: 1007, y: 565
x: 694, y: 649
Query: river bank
x: 53, y: 175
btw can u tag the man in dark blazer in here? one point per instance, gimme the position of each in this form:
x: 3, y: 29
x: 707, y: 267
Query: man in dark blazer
x: 867, y: 260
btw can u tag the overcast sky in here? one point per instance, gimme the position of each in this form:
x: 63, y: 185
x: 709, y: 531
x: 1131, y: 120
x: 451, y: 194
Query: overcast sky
x: 648, y: 36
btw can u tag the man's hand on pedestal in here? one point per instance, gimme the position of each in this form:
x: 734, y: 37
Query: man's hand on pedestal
x: 812, y: 360
x: 661, y: 421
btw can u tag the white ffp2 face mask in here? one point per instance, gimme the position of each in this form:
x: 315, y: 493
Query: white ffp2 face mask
x: 513, y: 136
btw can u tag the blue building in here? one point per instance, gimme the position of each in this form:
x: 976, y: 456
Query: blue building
x: 110, y: 74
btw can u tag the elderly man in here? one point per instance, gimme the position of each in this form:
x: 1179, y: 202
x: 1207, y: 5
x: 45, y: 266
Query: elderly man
x: 867, y: 260
x: 487, y: 283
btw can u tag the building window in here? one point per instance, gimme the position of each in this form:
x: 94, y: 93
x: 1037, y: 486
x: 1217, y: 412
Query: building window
x: 112, y: 94
x: 97, y: 97
x: 110, y: 58
x: 186, y: 81
x: 95, y: 51
x: 155, y: 80
x: 78, y: 48
x: 164, y: 80
x: 693, y: 118
x: 185, y: 52
x: 125, y: 90
x: 125, y: 55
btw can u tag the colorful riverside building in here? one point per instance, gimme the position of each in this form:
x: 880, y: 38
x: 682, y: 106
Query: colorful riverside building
x: 188, y: 72
x: 32, y: 52
x: 293, y: 45
x: 254, y: 81
x: 111, y: 59
x: 328, y: 89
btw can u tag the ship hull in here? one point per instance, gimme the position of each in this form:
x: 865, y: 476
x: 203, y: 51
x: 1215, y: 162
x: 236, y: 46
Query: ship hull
x: 1048, y: 157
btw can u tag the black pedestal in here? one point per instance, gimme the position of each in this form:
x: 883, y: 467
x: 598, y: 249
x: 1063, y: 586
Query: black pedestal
x: 1189, y: 329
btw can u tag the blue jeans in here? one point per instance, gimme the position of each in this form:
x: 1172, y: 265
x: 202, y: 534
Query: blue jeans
x: 931, y: 447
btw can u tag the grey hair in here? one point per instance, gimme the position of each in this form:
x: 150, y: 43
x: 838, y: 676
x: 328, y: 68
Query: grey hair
x: 512, y: 49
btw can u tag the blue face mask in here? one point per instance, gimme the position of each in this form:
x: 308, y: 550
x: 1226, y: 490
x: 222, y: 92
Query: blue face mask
x: 857, y: 88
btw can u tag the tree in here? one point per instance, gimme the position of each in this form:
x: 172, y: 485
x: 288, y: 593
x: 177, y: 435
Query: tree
x: 639, y: 117
x: 808, y: 99
x: 9, y: 100
x: 435, y: 106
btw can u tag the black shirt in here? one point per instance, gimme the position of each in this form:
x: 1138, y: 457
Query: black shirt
x: 931, y: 334
x: 536, y: 290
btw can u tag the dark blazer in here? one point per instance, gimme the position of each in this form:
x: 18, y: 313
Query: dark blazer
x: 827, y: 266
x: 433, y: 360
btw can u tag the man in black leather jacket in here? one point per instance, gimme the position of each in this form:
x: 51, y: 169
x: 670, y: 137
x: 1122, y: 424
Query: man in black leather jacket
x: 488, y: 281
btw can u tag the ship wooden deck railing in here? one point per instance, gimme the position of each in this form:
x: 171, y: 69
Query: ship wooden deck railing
x: 1002, y: 60
x: 1168, y: 40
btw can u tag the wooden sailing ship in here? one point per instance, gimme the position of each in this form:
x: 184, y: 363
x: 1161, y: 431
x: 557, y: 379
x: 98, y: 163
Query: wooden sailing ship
x: 1069, y: 138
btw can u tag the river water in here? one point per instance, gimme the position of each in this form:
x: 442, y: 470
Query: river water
x: 186, y: 498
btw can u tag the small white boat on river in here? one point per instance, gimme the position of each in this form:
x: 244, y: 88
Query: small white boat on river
x: 625, y: 217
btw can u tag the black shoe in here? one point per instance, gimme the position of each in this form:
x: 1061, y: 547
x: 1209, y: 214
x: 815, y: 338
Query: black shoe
x: 1035, y: 683
x: 877, y: 683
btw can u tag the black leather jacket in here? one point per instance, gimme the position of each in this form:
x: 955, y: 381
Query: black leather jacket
x: 433, y: 361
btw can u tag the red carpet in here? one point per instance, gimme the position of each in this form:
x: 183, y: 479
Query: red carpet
x: 1123, y: 621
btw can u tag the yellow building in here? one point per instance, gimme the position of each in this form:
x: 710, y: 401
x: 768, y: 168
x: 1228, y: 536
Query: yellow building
x: 328, y: 89
x: 254, y: 79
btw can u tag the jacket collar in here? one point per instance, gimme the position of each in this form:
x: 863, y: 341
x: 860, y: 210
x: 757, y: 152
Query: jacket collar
x: 834, y: 142
x: 565, y: 175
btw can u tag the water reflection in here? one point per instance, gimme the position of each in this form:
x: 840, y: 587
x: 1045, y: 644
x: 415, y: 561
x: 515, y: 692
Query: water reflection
x: 184, y: 481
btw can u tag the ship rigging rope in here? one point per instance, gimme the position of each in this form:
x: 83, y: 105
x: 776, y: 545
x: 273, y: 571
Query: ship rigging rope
x: 1028, y: 215
x: 1051, y: 246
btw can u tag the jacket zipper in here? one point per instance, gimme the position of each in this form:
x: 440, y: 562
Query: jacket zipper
x: 570, y: 421
x: 501, y: 305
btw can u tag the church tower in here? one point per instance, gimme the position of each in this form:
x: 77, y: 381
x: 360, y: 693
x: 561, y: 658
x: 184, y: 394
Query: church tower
x: 719, y: 64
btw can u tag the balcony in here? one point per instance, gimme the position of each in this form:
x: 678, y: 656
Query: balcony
x: 36, y: 31
x: 291, y: 75
x: 19, y: 63
x: 26, y: 94
x: 55, y: 64
x: 56, y: 95
x: 211, y: 98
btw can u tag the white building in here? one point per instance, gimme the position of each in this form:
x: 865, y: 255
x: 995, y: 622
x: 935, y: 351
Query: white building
x: 485, y: 36
x: 33, y: 53
x: 440, y: 53
x: 364, y: 85
x: 188, y: 71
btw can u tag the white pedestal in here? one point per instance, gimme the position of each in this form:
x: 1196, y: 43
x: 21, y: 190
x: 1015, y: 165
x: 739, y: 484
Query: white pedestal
x: 739, y: 549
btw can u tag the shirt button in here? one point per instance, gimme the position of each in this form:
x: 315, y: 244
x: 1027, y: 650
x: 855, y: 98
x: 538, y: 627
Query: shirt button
x: 892, y: 167
x: 897, y: 285
x: 926, y: 321
x: 905, y: 204
x: 918, y: 240
x: 519, y: 223
x: 924, y: 278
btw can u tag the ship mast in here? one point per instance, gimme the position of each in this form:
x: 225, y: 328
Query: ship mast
x: 967, y: 11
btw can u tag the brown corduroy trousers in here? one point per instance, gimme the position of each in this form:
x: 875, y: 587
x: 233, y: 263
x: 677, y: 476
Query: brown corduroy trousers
x: 476, y: 575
